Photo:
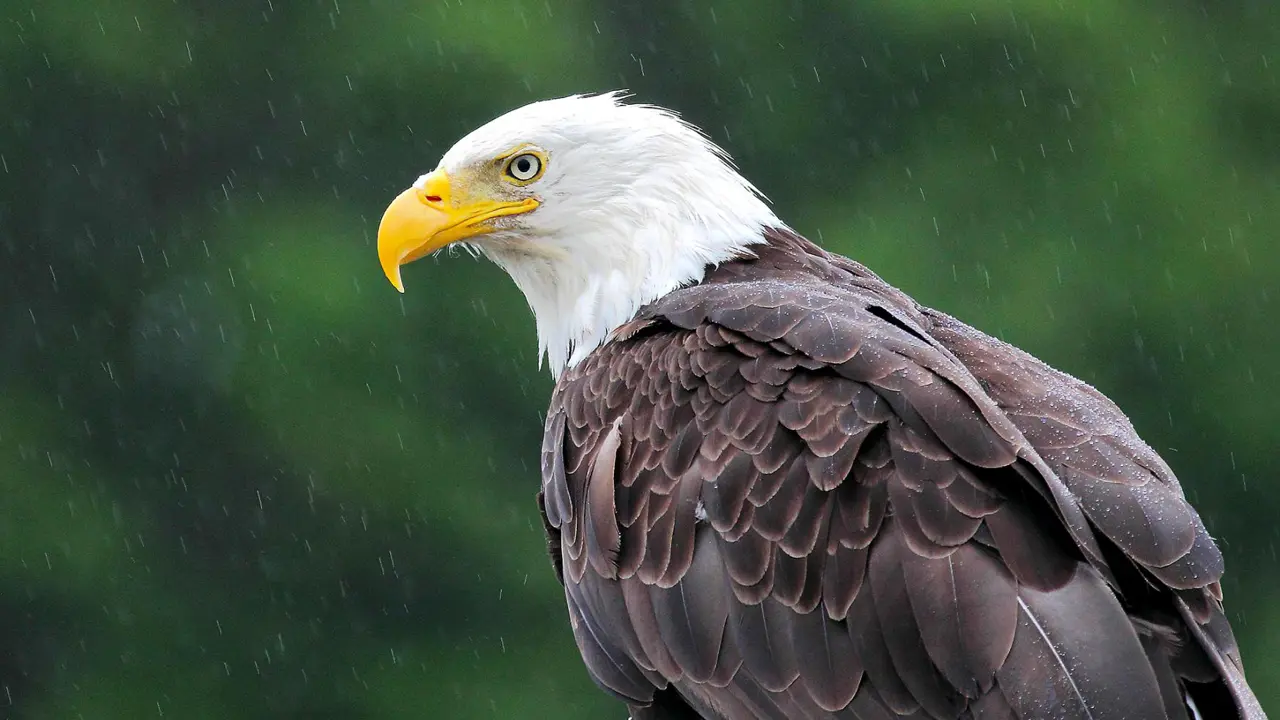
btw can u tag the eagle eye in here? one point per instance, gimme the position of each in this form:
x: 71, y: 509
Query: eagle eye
x: 524, y: 168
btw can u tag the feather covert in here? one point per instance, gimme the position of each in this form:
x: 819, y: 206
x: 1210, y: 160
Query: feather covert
x: 789, y: 491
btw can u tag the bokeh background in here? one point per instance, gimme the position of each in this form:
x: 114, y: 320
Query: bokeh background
x: 241, y: 477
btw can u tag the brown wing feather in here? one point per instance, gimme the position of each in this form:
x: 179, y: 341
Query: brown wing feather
x: 790, y: 492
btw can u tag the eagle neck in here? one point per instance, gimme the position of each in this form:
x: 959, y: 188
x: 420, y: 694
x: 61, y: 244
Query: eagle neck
x: 576, y: 306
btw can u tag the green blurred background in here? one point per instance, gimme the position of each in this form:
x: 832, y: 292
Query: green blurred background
x: 241, y: 477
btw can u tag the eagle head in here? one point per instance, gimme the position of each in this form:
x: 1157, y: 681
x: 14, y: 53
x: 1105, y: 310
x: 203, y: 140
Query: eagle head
x: 593, y: 206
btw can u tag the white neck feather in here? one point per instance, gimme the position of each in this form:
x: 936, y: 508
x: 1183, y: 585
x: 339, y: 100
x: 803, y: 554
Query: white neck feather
x: 624, y: 255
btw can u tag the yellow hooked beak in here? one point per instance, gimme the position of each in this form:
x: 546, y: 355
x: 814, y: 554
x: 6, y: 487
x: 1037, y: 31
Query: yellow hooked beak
x: 424, y: 219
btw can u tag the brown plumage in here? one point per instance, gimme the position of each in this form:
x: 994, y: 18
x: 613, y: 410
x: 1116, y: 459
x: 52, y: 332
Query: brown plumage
x: 790, y: 491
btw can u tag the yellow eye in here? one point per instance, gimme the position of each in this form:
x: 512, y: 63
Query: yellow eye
x: 524, y: 168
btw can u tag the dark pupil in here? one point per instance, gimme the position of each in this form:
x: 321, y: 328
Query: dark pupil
x: 523, y: 165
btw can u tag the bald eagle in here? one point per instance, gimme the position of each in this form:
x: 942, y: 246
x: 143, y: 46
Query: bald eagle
x: 775, y: 486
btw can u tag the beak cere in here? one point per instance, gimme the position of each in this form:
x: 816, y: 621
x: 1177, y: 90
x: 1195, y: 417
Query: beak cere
x: 410, y: 228
x: 415, y: 224
x: 425, y: 218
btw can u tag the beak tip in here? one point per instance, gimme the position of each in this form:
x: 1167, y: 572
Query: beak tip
x: 396, y: 281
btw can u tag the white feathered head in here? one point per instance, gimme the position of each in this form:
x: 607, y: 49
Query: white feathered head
x: 593, y: 206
